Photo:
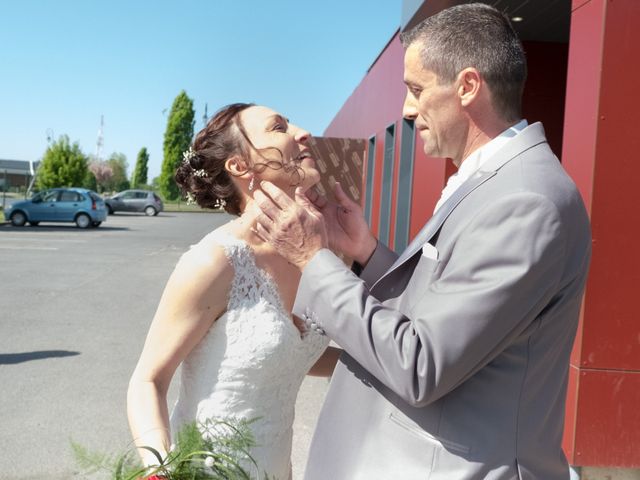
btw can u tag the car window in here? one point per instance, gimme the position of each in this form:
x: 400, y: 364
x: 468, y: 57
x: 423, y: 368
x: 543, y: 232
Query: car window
x: 51, y: 196
x: 156, y: 197
x: 69, y: 196
x: 127, y: 195
x: 95, y: 196
x: 141, y: 194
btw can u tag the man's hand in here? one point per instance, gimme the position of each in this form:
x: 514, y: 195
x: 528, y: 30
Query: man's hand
x: 294, y: 227
x: 347, y: 229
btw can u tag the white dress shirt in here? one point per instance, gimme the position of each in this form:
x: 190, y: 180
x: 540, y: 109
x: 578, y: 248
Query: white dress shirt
x: 476, y: 159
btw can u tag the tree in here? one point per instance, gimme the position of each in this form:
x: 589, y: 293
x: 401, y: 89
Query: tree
x: 119, y: 165
x: 63, y: 165
x: 102, y: 173
x: 139, y: 177
x: 177, y: 139
x: 90, y: 180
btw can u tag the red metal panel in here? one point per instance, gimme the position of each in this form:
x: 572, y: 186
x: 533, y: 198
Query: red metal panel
x: 377, y: 184
x: 607, y: 432
x: 599, y: 152
x: 365, y: 169
x: 571, y: 413
x: 612, y: 339
x: 583, y: 87
x: 394, y: 184
x: 581, y: 107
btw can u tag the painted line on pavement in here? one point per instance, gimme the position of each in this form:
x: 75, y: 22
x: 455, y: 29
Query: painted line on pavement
x: 22, y: 247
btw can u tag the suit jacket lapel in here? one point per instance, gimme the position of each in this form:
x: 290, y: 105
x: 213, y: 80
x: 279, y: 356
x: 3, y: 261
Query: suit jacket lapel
x: 434, y: 224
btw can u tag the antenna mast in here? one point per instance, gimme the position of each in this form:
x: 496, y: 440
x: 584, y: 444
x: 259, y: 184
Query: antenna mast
x: 100, y: 141
x: 205, y: 117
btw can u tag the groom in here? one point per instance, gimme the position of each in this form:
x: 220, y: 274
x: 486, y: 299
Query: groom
x: 457, y: 351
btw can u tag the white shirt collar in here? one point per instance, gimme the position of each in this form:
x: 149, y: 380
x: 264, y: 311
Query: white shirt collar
x: 477, y: 158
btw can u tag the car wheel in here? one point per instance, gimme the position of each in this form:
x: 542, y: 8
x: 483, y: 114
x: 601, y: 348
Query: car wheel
x: 109, y: 210
x: 150, y: 211
x: 96, y: 224
x: 83, y: 220
x: 34, y: 224
x: 18, y: 219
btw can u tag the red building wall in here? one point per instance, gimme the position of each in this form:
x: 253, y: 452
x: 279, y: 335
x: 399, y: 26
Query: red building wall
x: 600, y: 152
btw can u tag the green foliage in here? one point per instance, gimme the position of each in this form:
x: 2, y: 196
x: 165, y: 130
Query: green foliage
x: 118, y: 164
x: 63, y: 165
x: 90, y: 181
x: 216, y: 450
x: 177, y: 139
x: 140, y: 173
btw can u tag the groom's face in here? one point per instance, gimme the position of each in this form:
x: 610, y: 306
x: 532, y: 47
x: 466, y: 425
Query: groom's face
x: 435, y: 106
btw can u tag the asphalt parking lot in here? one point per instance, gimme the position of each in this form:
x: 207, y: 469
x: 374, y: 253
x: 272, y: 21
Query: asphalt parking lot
x: 74, y: 309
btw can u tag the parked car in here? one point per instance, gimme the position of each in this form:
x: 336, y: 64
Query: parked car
x: 135, y: 201
x: 84, y: 207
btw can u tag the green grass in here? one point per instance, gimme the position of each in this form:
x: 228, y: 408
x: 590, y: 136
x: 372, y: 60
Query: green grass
x: 176, y: 206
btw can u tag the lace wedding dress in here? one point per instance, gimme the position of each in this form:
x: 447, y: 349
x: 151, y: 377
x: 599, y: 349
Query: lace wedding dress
x: 251, y: 363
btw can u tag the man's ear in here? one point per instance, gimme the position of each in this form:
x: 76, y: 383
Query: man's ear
x: 469, y: 84
x: 236, y: 166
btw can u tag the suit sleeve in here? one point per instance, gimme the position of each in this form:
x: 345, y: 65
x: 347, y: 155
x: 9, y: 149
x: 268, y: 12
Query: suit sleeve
x: 380, y: 261
x: 503, y: 269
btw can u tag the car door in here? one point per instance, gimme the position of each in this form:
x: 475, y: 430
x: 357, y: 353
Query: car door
x: 139, y: 202
x: 68, y: 204
x: 128, y: 200
x: 43, y: 206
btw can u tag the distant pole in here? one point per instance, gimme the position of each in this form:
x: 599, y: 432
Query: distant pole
x: 33, y: 179
x: 205, y: 117
x: 100, y: 140
x: 4, y: 189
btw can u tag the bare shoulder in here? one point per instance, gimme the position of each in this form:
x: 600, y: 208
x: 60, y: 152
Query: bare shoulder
x: 204, y: 269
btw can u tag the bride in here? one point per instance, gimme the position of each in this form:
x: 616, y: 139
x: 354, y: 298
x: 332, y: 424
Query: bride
x: 225, y: 311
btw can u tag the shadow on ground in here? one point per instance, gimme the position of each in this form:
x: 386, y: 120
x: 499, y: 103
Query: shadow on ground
x: 13, y: 358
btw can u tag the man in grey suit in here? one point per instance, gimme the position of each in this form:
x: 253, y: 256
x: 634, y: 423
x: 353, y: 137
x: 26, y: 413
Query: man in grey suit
x: 457, y: 351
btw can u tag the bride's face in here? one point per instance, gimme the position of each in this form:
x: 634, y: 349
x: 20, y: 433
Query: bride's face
x: 282, y: 155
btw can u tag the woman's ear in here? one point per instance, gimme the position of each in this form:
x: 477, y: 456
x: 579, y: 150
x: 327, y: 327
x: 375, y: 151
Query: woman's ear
x: 469, y: 83
x: 236, y: 166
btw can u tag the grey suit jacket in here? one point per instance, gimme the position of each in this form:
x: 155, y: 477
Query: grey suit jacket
x: 457, y: 356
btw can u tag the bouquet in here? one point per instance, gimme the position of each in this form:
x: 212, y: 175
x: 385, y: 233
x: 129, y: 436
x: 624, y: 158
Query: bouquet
x: 214, y: 450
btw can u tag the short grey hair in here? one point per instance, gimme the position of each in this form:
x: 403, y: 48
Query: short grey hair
x: 479, y: 36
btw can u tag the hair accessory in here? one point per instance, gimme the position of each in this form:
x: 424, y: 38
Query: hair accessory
x: 252, y: 184
x: 191, y: 199
x: 187, y: 156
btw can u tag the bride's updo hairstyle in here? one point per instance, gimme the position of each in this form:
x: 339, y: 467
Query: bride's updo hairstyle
x: 201, y: 175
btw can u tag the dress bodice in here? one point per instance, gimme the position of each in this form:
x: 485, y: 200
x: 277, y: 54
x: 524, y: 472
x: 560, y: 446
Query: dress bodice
x: 251, y: 362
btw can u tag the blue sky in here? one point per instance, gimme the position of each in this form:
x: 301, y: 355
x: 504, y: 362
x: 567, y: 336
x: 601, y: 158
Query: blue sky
x: 65, y: 63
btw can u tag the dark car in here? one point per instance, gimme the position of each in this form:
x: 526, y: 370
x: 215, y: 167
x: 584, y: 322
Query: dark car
x: 84, y: 207
x: 135, y: 201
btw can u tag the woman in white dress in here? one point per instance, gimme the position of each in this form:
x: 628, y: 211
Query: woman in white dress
x: 225, y: 311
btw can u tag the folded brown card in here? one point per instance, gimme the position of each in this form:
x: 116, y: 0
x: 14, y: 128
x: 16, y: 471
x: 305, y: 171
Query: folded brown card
x: 342, y: 160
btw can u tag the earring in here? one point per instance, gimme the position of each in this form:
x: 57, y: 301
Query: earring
x: 251, y: 184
